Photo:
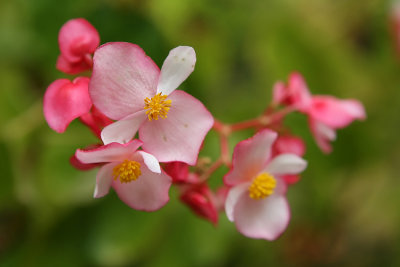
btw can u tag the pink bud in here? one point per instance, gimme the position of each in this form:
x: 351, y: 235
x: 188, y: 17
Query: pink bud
x: 202, y: 202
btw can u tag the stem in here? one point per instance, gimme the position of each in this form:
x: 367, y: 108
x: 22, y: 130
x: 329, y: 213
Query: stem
x: 204, y: 177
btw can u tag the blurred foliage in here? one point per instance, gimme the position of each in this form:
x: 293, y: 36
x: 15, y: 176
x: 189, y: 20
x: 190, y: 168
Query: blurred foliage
x: 345, y: 209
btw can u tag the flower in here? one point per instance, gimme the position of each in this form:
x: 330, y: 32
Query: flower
x: 127, y: 86
x: 257, y: 202
x: 136, y: 176
x: 326, y: 113
x: 65, y: 101
x: 77, y: 40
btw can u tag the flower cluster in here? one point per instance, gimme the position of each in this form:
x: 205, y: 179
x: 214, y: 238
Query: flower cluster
x: 150, y: 133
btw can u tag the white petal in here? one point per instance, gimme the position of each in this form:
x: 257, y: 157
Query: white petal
x: 124, y: 130
x: 176, y: 68
x: 232, y: 198
x: 286, y: 164
x: 103, y: 180
x: 150, y: 161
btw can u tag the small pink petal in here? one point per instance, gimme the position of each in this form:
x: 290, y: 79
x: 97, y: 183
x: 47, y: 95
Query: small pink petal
x: 82, y: 166
x: 180, y: 135
x: 264, y: 218
x: 109, y: 153
x: 300, y: 96
x: 289, y: 144
x: 123, y: 76
x: 250, y: 157
x: 286, y: 164
x: 150, y: 161
x: 176, y: 68
x: 149, y: 192
x: 76, y: 38
x: 279, y: 93
x: 104, y: 179
x: 232, y: 198
x: 334, y: 112
x: 65, y: 101
x: 71, y: 67
x: 322, y: 135
x: 124, y: 130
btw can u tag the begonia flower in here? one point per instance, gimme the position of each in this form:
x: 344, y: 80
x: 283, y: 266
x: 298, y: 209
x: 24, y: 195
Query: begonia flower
x: 289, y: 144
x: 65, y: 101
x: 326, y: 113
x: 77, y: 40
x: 136, y: 176
x: 127, y: 86
x: 257, y: 200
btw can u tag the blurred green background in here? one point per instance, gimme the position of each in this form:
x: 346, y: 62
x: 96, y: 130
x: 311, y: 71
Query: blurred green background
x: 345, y: 210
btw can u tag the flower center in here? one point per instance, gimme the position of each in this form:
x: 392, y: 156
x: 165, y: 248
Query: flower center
x: 127, y: 171
x: 263, y: 185
x: 157, y: 106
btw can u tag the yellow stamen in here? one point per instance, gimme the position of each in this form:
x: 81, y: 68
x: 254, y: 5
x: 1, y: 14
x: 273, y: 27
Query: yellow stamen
x: 263, y: 185
x: 127, y: 171
x: 157, y: 106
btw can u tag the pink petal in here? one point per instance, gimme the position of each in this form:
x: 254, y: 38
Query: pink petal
x: 322, y: 135
x: 232, y: 198
x: 150, y: 161
x: 123, y: 76
x: 250, y: 157
x: 264, y: 218
x: 334, y: 112
x: 180, y: 135
x: 286, y: 164
x: 300, y: 96
x: 279, y: 93
x: 149, y: 192
x: 289, y: 144
x: 72, y: 67
x: 124, y: 130
x: 109, y: 153
x: 65, y: 101
x: 76, y: 38
x: 176, y: 68
x: 104, y: 179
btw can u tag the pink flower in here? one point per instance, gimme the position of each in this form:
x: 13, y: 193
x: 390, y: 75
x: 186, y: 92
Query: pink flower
x: 257, y: 200
x: 77, y: 39
x: 65, y: 101
x: 136, y: 176
x: 326, y: 113
x: 292, y: 145
x: 127, y: 86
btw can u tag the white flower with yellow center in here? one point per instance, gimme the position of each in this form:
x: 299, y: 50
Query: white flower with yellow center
x: 127, y: 86
x: 257, y: 200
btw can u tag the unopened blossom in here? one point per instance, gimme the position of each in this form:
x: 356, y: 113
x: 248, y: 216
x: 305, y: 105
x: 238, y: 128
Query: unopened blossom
x: 136, y: 176
x: 127, y: 86
x: 257, y: 200
x: 65, y: 101
x: 77, y: 40
x: 326, y: 113
x: 201, y: 200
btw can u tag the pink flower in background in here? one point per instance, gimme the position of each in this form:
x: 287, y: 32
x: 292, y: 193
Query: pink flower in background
x: 257, y: 200
x: 292, y: 145
x: 127, y: 86
x: 136, y: 176
x: 65, y: 101
x: 77, y: 40
x: 326, y: 113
